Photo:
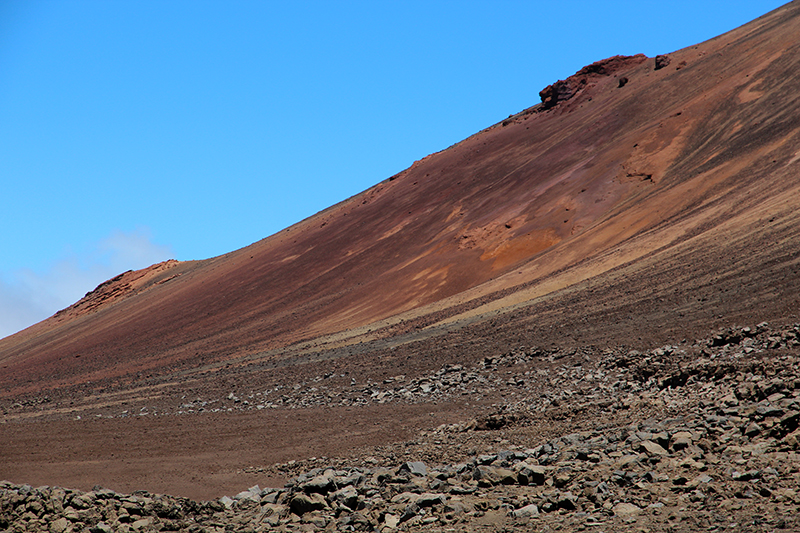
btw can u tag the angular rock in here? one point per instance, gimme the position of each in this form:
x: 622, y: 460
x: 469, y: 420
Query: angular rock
x: 428, y: 499
x: 302, y: 503
x: 59, y: 525
x: 322, y: 484
x: 702, y: 479
x: 347, y: 496
x: 652, y: 449
x: 626, y: 509
x: 249, y: 495
x: 409, y: 512
x: 568, y: 501
x: 563, y: 477
x: 681, y: 440
x: 745, y: 476
x: 456, y: 507
x: 271, y: 513
x: 403, y: 497
x: 391, y: 521
x: 415, y: 468
x: 752, y: 430
x: 529, y: 474
x: 142, y: 524
x: 227, y: 502
x: 790, y: 421
x: 528, y: 511
x: 102, y: 527
x: 489, y: 476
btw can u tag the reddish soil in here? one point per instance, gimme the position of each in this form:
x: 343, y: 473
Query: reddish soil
x: 632, y: 214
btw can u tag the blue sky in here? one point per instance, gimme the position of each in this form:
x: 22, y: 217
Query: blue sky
x: 134, y: 132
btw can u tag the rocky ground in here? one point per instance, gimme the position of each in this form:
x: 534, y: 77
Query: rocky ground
x: 694, y: 436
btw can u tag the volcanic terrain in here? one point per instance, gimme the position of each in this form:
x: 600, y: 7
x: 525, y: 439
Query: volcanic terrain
x: 600, y: 289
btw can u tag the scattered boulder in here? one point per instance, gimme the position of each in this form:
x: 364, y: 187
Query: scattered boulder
x: 302, y: 503
x: 662, y: 61
x: 529, y: 511
x: 415, y: 468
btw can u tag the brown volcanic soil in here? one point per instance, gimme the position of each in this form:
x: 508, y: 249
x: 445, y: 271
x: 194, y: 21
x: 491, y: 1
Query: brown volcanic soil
x: 623, y: 216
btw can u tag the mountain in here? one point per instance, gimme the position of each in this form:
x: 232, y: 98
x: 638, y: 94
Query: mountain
x: 643, y: 200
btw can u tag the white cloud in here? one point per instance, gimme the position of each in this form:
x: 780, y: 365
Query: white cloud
x: 27, y: 297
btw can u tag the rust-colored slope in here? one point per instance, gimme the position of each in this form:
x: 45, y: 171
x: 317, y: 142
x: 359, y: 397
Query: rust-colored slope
x: 634, y: 162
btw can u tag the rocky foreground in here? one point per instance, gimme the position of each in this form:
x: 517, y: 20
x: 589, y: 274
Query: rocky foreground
x: 697, y: 436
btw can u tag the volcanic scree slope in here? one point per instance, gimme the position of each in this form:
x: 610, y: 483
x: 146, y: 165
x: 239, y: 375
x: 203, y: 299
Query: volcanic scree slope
x: 642, y: 202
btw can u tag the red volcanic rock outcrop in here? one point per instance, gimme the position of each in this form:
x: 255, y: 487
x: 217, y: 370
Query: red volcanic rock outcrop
x: 563, y: 90
x: 118, y: 287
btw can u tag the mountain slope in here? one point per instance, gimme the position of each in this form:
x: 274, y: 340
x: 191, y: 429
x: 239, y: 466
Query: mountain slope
x: 633, y: 204
x: 672, y: 152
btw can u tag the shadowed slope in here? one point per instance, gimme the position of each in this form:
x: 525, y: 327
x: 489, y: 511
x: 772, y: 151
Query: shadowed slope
x: 622, y: 162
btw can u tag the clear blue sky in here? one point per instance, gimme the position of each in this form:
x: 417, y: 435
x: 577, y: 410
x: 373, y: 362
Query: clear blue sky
x: 133, y: 132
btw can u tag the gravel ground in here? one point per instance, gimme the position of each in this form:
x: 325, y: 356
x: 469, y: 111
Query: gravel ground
x: 684, y: 437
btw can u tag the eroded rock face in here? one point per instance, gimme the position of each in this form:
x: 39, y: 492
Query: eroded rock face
x: 563, y: 90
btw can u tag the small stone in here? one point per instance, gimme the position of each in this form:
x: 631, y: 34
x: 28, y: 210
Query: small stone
x: 321, y: 484
x: 348, y: 497
x: 302, y: 503
x: 702, y: 479
x: 415, y: 468
x: 652, y: 449
x: 271, y: 513
x: 626, y: 509
x: 488, y: 476
x: 428, y: 499
x: 227, y: 502
x: 567, y: 501
x: 528, y: 474
x: 752, y: 430
x: 101, y: 527
x: 528, y: 511
x: 745, y: 476
x: 391, y: 521
x: 409, y: 512
x: 403, y: 497
x: 59, y: 525
x: 790, y: 420
x: 142, y: 524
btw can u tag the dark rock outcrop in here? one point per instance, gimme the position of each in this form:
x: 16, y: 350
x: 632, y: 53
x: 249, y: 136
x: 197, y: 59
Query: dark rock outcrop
x: 563, y: 90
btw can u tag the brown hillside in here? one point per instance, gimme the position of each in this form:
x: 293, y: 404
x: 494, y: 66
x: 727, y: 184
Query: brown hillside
x: 635, y: 205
